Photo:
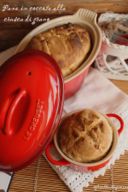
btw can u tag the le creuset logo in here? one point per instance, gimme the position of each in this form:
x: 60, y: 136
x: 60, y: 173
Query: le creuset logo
x: 35, y: 119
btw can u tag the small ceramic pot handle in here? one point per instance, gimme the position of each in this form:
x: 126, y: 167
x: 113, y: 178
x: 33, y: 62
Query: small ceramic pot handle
x: 121, y: 128
x: 51, y: 159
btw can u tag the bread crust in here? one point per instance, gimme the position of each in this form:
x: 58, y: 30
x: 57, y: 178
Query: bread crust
x: 85, y: 136
x: 68, y: 44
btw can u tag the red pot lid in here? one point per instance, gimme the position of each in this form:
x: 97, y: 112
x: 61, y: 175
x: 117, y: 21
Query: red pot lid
x: 31, y: 101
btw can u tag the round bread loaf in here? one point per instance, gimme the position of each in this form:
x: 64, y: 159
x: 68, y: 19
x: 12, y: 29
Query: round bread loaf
x: 68, y: 44
x: 85, y: 136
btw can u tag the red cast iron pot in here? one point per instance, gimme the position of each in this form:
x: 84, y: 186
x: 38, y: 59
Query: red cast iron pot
x: 85, y: 18
x: 65, y: 161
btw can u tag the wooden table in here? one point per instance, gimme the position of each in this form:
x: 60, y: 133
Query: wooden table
x: 10, y: 34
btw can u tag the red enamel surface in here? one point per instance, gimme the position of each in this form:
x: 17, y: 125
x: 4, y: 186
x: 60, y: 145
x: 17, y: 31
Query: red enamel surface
x: 31, y: 101
x: 73, y: 85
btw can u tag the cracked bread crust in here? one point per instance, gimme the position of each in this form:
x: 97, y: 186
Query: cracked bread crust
x: 68, y: 44
x: 85, y: 136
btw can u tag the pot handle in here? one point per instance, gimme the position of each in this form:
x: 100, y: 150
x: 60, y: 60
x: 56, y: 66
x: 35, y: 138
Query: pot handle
x: 121, y: 128
x: 9, y: 130
x: 87, y: 15
x: 52, y: 159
